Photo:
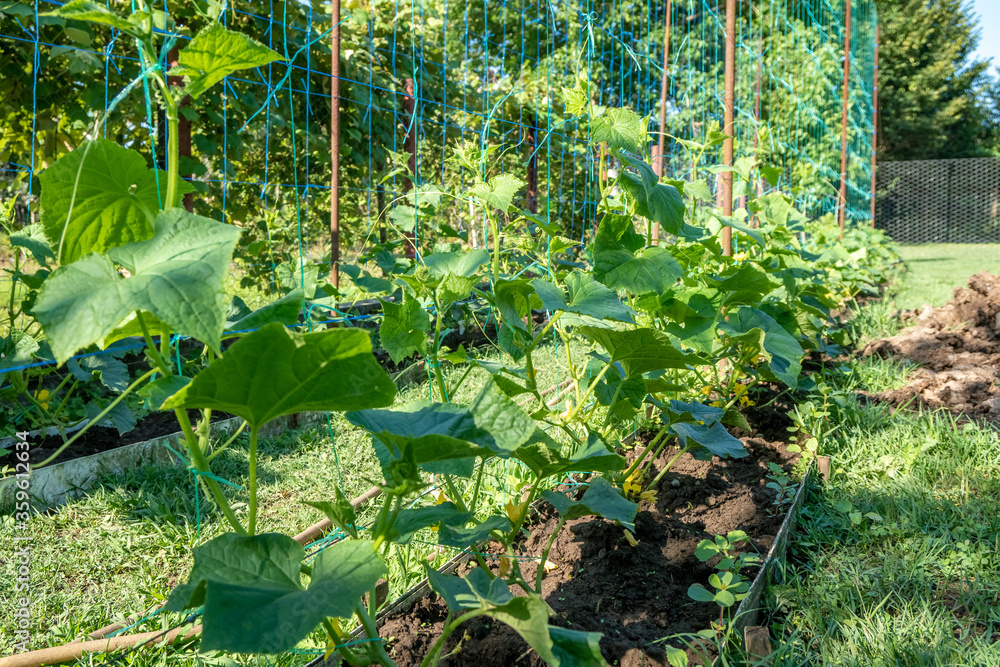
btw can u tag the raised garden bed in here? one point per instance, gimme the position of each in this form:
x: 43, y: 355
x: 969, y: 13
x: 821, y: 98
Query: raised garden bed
x: 634, y: 596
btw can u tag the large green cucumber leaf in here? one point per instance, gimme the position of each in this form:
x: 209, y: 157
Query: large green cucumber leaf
x: 575, y: 648
x: 339, y: 511
x: 662, y: 204
x: 285, y: 310
x: 460, y: 537
x: 404, y: 327
x: 586, y: 297
x: 274, y: 372
x: 214, y: 54
x: 249, y: 583
x: 176, y: 275
x: 32, y: 238
x: 499, y: 192
x: 546, y: 458
x: 744, y: 284
x: 91, y: 12
x: 715, y: 438
x: 622, y: 262
x: 639, y: 350
x: 492, y: 421
x: 783, y: 352
x: 601, y: 499
x: 476, y: 589
x: 620, y: 128
x: 410, y: 521
x: 98, y: 197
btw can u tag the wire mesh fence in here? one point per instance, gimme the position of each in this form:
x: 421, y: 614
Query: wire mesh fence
x: 419, y: 77
x: 940, y: 201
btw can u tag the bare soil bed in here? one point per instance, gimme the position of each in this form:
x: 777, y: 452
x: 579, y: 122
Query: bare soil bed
x: 633, y: 595
x: 958, y: 348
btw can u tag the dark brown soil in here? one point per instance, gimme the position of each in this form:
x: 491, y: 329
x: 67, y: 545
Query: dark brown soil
x: 100, y: 439
x: 633, y: 595
x: 958, y: 347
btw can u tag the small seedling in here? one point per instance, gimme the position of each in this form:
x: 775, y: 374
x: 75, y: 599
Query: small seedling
x: 781, y: 483
x: 730, y: 586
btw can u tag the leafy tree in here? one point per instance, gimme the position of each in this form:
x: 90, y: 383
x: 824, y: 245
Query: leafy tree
x: 930, y: 90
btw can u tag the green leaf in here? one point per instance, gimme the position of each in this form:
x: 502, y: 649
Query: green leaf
x: 620, y: 128
x: 109, y: 371
x: 300, y: 276
x: 618, y: 265
x: 492, y: 421
x: 246, y: 583
x: 32, y: 238
x: 281, y: 372
x: 410, y: 521
x: 473, y: 591
x: 499, y: 192
x: 214, y: 54
x: 677, y: 657
x: 460, y: 537
x: 91, y: 12
x: 176, y: 275
x: 601, y: 499
x: 699, y: 593
x: 706, y: 550
x: 680, y: 412
x: 285, y: 310
x: 529, y: 617
x: 724, y: 599
x: 745, y: 283
x: 574, y: 648
x: 639, y: 350
x: 784, y: 352
x: 161, y: 389
x: 405, y: 327
x: 465, y: 264
x: 586, y: 297
x: 771, y: 174
x: 662, y: 204
x: 546, y: 458
x: 577, y: 98
x: 339, y: 511
x: 98, y: 197
x: 714, y: 438
x: 647, y: 176
x: 18, y: 350
x: 755, y: 234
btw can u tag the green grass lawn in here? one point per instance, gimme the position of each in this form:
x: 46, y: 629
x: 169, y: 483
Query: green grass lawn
x: 896, y: 560
x: 934, y: 270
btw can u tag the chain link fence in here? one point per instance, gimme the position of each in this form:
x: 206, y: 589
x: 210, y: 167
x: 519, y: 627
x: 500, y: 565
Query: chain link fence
x: 939, y: 201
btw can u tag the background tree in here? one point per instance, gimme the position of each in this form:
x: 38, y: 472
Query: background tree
x: 934, y: 99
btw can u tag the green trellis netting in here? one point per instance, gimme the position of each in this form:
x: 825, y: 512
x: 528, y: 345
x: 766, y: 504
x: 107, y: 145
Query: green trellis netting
x: 444, y: 72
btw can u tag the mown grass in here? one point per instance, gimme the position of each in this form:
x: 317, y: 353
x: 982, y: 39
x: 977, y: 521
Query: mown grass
x: 934, y: 270
x: 122, y: 547
x: 896, y: 560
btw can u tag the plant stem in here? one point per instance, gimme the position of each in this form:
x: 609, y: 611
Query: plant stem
x: 435, y: 349
x: 638, y: 462
x: 545, y: 555
x: 201, y: 465
x: 252, y: 482
x: 433, y: 656
x: 371, y: 631
x: 667, y: 467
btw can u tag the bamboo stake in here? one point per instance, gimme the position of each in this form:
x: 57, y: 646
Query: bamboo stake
x: 335, y: 144
x: 729, y: 125
x: 842, y: 203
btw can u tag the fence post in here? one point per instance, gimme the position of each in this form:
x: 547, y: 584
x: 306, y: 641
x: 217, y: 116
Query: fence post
x: 842, y: 203
x: 660, y: 163
x: 335, y: 145
x: 875, y: 125
x: 729, y: 126
x: 410, y: 146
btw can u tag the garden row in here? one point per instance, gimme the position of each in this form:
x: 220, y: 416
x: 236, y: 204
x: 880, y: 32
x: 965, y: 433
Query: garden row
x: 686, y: 337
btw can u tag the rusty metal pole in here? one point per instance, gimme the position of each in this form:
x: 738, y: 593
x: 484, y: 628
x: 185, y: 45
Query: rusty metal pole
x: 410, y: 146
x: 183, y: 124
x: 842, y: 197
x: 874, y: 125
x: 532, y: 142
x: 729, y: 126
x: 335, y: 145
x: 660, y: 163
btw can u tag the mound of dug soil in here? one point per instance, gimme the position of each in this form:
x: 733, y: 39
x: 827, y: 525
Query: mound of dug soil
x: 958, y: 347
